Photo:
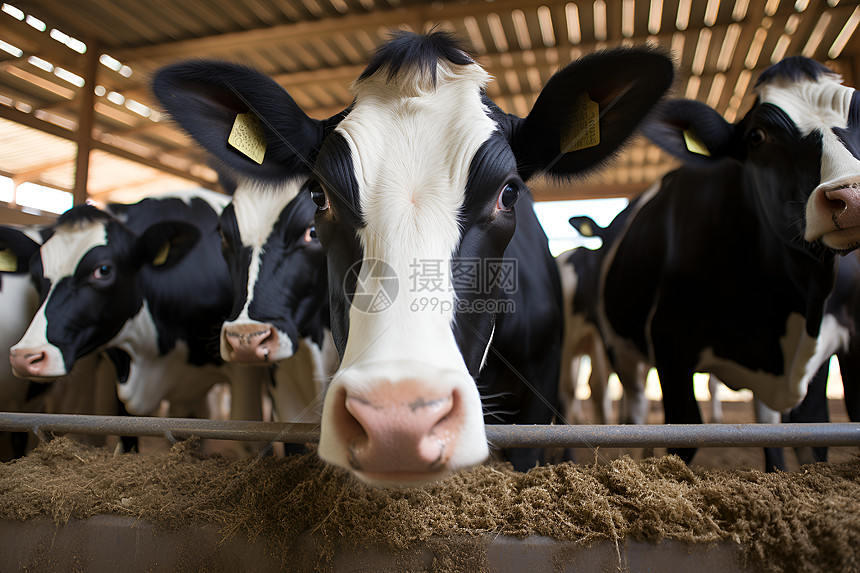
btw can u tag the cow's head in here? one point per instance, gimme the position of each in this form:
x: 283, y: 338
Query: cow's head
x: 278, y: 269
x: 799, y: 145
x: 276, y: 262
x: 423, y: 173
x: 87, y: 273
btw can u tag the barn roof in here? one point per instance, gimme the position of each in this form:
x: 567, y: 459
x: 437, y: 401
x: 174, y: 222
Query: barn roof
x: 52, y: 51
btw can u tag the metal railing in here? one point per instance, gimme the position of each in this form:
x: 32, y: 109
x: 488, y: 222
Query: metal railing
x: 502, y: 436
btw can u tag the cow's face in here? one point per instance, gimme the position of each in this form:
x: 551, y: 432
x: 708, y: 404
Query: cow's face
x: 418, y: 182
x: 414, y: 185
x: 277, y: 266
x: 87, y: 272
x: 800, y: 148
x: 814, y: 125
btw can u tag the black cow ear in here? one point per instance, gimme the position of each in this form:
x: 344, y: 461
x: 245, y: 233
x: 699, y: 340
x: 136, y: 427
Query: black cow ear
x: 589, y: 109
x: 217, y: 102
x: 16, y: 250
x: 586, y: 226
x: 691, y: 131
x: 164, y: 244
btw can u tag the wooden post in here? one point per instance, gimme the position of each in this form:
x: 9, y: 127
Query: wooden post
x: 85, y: 123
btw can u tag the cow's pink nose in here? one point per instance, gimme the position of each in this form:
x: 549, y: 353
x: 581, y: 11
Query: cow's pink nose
x: 27, y: 362
x: 403, y: 428
x: 251, y: 342
x: 843, y: 204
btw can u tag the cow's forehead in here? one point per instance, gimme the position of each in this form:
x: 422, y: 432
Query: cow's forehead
x: 257, y: 209
x: 813, y: 105
x: 411, y: 140
x: 68, y: 245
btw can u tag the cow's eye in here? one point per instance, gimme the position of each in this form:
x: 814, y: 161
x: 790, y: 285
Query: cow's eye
x: 103, y: 272
x: 310, y: 234
x: 756, y: 137
x: 319, y: 197
x: 507, y: 197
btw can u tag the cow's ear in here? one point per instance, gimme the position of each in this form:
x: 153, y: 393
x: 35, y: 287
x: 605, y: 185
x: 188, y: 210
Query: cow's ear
x: 588, y: 110
x: 691, y: 131
x: 164, y: 244
x: 272, y: 138
x: 16, y: 250
x: 586, y: 226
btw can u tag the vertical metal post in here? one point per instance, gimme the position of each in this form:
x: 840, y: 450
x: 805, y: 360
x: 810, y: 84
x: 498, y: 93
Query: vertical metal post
x: 86, y: 113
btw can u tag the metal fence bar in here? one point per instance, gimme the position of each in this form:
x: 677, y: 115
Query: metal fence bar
x: 503, y: 436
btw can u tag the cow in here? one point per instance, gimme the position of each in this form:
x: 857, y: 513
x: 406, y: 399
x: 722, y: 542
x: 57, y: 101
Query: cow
x: 415, y: 186
x: 734, y: 254
x: 580, y: 270
x: 145, y: 284
x: 18, y: 301
x: 279, y: 316
x: 88, y: 389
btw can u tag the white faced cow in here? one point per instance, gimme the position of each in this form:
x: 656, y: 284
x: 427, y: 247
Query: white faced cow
x: 279, y: 315
x: 734, y: 254
x: 145, y: 282
x: 420, y: 190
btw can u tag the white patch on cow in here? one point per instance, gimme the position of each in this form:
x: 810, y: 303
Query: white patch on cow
x: 67, y: 246
x: 803, y: 354
x: 412, y: 169
x: 19, y: 300
x: 154, y: 377
x: 299, y: 384
x: 819, y: 106
x: 257, y: 208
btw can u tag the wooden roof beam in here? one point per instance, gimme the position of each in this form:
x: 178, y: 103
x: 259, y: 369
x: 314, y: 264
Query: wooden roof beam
x: 47, y: 127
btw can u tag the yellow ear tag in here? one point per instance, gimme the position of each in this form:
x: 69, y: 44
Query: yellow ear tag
x: 8, y: 261
x: 694, y: 144
x: 161, y: 257
x: 585, y: 230
x: 247, y: 136
x: 582, y: 128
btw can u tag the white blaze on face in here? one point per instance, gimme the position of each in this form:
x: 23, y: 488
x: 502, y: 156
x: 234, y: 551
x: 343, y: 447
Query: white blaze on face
x: 819, y: 106
x: 60, y: 257
x: 412, y: 167
x: 257, y: 209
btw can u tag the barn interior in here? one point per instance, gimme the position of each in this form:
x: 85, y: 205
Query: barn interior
x: 79, y: 122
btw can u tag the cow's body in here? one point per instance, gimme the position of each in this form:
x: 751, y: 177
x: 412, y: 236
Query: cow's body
x: 137, y: 283
x: 415, y: 186
x: 733, y: 254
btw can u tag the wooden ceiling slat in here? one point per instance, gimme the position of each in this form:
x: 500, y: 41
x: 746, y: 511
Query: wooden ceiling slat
x: 81, y: 24
x: 121, y: 17
x: 194, y: 22
x: 236, y: 12
x: 287, y: 8
x: 267, y: 13
x: 215, y: 19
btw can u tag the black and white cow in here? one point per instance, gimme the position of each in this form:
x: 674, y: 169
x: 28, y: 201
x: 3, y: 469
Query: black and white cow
x: 145, y: 282
x: 279, y: 315
x: 18, y: 303
x: 88, y: 389
x: 280, y: 312
x: 417, y: 190
x: 734, y: 254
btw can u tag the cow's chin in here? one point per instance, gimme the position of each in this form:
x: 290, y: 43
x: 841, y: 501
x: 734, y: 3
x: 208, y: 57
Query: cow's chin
x: 842, y: 240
